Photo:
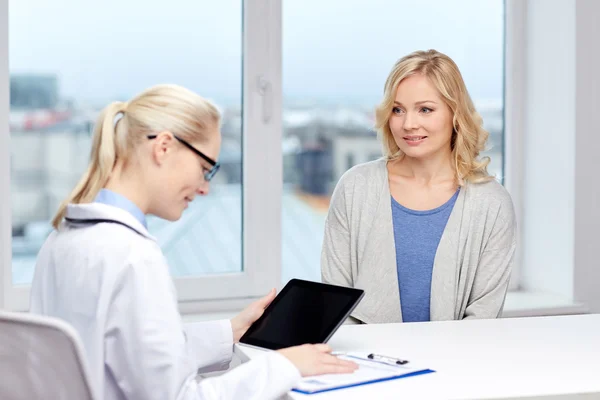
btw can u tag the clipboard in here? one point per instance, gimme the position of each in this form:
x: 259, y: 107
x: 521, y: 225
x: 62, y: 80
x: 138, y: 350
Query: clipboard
x: 372, y: 369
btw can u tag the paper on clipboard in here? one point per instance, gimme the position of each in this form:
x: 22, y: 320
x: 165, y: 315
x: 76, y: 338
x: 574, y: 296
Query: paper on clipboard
x: 369, y: 371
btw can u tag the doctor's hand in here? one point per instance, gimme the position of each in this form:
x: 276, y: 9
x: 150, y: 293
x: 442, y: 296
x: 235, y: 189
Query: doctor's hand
x: 241, y: 322
x: 315, y: 359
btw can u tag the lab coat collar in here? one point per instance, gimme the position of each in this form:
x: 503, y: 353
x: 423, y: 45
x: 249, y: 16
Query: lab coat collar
x: 90, y: 213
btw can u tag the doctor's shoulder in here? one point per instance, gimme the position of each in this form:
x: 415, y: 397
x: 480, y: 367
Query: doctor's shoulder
x: 114, y: 245
x: 125, y: 241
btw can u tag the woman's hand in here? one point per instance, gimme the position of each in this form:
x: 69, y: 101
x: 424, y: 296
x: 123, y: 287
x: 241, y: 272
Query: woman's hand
x: 241, y: 322
x: 315, y: 359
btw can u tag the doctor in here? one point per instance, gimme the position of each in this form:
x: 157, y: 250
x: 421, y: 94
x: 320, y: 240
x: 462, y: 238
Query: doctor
x: 102, y: 272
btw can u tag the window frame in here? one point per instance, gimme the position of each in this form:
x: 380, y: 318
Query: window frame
x: 515, y: 66
x: 7, y: 298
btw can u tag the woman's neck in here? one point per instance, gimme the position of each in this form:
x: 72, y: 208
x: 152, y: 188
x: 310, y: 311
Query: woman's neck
x: 129, y: 185
x: 425, y: 171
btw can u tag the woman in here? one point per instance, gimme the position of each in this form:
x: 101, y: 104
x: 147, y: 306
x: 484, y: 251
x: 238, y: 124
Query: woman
x: 102, y: 272
x: 425, y: 231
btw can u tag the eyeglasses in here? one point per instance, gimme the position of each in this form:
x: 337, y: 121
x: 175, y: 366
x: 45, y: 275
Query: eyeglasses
x: 208, y: 175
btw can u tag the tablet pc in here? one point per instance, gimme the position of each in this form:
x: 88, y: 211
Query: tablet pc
x: 303, y: 312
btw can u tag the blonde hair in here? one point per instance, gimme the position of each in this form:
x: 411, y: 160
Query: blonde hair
x: 469, y: 137
x: 160, y: 108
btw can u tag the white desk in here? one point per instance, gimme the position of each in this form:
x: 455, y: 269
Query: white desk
x: 484, y: 359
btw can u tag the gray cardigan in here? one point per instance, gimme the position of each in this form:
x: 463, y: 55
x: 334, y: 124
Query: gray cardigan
x: 472, y: 264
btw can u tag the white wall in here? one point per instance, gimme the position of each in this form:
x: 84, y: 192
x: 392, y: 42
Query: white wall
x: 549, y: 148
x: 587, y: 156
x: 561, y: 151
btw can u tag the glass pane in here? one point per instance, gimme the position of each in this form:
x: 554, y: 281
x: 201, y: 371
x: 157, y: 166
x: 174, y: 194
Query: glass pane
x: 65, y: 66
x: 333, y: 77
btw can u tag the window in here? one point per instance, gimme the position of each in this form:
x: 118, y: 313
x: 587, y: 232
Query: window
x: 334, y: 65
x: 66, y: 66
x: 304, y: 96
x: 60, y: 82
x: 333, y: 77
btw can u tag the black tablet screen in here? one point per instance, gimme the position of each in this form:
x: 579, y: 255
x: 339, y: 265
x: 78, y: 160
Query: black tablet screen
x: 304, y: 312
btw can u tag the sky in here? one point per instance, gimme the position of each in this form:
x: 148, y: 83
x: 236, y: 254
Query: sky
x: 334, y: 51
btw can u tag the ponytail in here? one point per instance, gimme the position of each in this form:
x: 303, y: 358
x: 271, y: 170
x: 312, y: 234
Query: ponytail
x: 102, y: 160
x: 157, y: 109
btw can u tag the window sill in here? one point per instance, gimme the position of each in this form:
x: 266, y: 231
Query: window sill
x: 536, y: 304
x: 518, y: 304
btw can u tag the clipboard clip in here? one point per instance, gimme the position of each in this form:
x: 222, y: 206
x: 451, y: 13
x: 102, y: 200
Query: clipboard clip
x: 386, y: 359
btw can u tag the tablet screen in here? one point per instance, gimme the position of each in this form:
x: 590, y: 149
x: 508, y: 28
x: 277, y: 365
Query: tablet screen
x: 304, y: 312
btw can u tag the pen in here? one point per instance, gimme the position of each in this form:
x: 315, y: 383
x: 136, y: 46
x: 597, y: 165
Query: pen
x: 392, y: 360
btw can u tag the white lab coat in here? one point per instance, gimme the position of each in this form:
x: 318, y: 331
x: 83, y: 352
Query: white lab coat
x: 111, y: 282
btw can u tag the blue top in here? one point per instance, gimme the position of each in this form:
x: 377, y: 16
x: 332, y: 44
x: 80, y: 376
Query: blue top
x: 111, y: 198
x: 417, y: 235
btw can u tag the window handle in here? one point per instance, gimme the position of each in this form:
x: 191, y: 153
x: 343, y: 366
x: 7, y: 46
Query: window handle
x: 264, y: 90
